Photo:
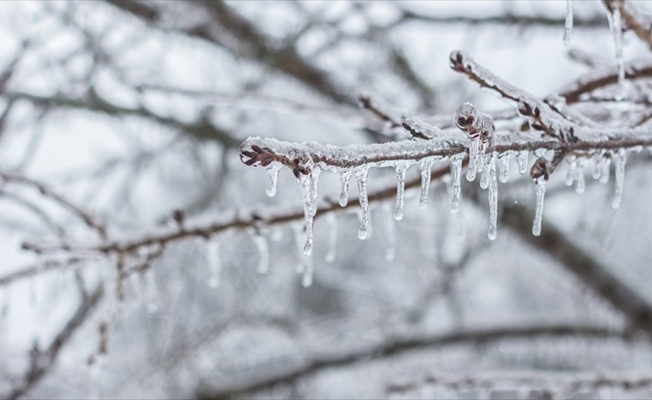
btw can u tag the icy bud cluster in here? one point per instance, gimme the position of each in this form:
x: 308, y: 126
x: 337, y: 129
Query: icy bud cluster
x: 480, y: 128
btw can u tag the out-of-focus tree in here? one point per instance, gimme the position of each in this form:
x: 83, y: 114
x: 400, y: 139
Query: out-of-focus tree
x: 142, y: 258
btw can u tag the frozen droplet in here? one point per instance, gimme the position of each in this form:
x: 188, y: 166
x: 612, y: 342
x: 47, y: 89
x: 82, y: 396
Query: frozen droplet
x: 580, y: 183
x: 619, y: 158
x: 214, y: 262
x: 568, y: 23
x: 503, y: 167
x: 272, y: 173
x: 331, y: 219
x: 263, y: 252
x: 309, y: 185
x: 456, y: 171
x: 571, y: 171
x: 400, y: 190
x: 426, y: 165
x: 472, y: 170
x: 540, y: 184
x: 361, y: 175
x: 345, y: 177
x: 390, y: 232
x: 522, y: 161
x: 493, y: 198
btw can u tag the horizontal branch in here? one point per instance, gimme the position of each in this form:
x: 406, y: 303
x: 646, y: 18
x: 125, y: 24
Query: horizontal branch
x: 395, y: 346
x: 300, y: 157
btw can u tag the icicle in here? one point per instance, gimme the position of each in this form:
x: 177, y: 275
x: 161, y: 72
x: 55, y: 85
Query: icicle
x: 615, y: 23
x: 619, y: 166
x: 571, y: 171
x: 4, y: 304
x: 521, y: 160
x: 456, y: 170
x: 493, y: 198
x: 426, y: 165
x: 473, y: 159
x: 597, y: 166
x: 580, y: 184
x: 503, y: 167
x: 538, y: 213
x: 152, y: 292
x: 606, y: 171
x: 568, y: 24
x: 484, y: 176
x: 309, y: 185
x: 306, y: 281
x: 214, y: 262
x: 390, y: 231
x: 272, y: 173
x: 263, y: 252
x: 361, y: 174
x: 400, y: 190
x: 277, y: 234
x: 345, y: 176
x: 299, y: 242
x: 331, y: 218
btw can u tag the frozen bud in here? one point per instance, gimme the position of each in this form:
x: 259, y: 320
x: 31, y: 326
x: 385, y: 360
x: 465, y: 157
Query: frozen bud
x: 540, y: 168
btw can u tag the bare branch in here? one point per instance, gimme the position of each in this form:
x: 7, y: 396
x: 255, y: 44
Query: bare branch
x: 395, y: 346
x: 43, y: 361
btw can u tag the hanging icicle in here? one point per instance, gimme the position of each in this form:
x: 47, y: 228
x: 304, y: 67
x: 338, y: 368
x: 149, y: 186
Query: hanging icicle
x: 306, y: 280
x: 309, y: 185
x: 401, y: 168
x: 272, y: 173
x: 426, y: 165
x: 456, y: 171
x: 540, y: 183
x: 522, y: 161
x: 493, y: 198
x: 619, y: 159
x: 580, y: 183
x: 503, y: 167
x: 616, y: 26
x: 345, y: 177
x: 361, y: 175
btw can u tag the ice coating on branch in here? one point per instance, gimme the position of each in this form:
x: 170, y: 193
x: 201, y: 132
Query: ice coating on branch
x: 580, y: 183
x: 214, y: 262
x: 456, y: 172
x: 331, y: 219
x: 309, y: 185
x: 421, y: 129
x: 568, y: 23
x: 390, y: 232
x: 272, y: 173
x: 493, y: 198
x: 503, y: 167
x: 345, y: 177
x: 521, y: 161
x: 619, y: 159
x: 426, y: 165
x: 361, y: 175
x: 401, y: 168
x: 616, y: 26
x: 263, y: 252
x: 540, y: 184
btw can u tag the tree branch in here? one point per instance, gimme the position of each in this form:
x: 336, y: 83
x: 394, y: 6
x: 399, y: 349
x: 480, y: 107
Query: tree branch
x: 392, y: 347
